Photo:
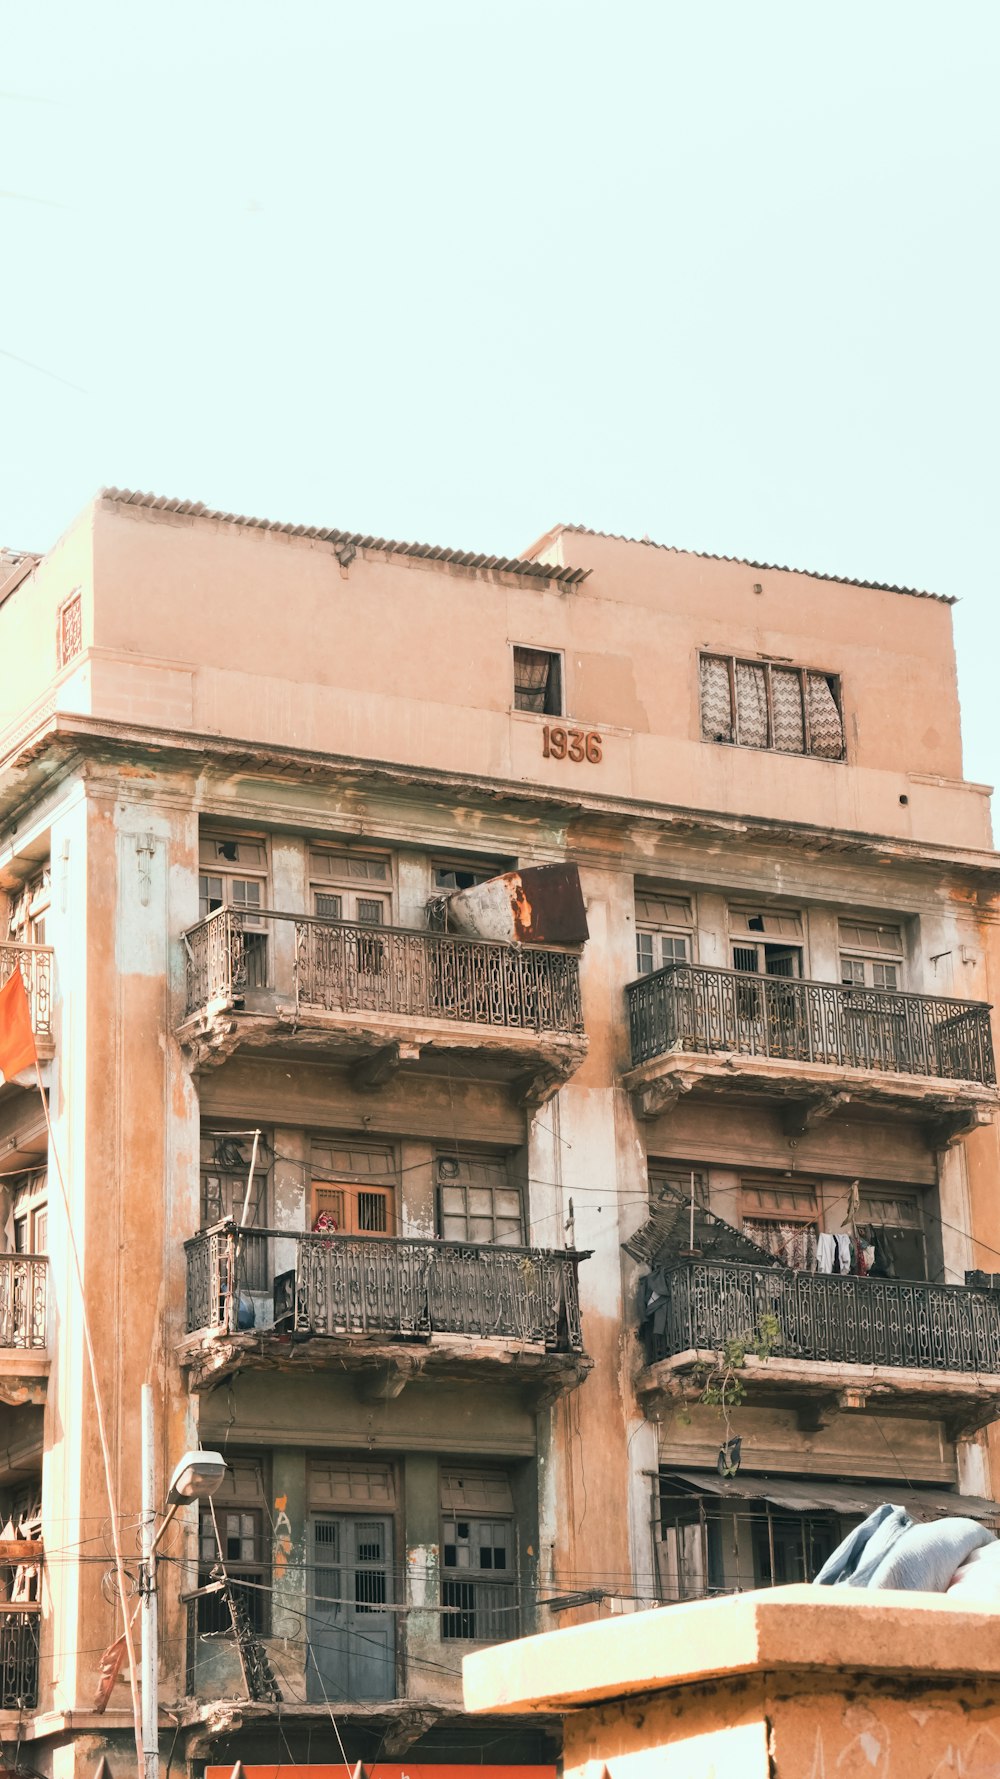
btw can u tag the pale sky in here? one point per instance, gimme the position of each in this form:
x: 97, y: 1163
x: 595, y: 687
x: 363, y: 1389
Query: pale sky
x: 723, y: 274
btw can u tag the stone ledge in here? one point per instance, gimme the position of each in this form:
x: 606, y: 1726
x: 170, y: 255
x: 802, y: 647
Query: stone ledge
x: 792, y: 1629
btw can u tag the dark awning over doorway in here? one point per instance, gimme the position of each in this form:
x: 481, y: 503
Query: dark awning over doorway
x: 804, y: 1495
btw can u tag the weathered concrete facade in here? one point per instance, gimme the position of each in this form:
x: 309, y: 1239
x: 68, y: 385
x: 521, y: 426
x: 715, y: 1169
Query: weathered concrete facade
x: 238, y: 764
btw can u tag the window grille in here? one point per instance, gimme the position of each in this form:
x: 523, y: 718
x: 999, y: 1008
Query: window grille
x: 477, y: 1558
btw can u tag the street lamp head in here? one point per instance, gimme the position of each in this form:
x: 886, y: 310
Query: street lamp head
x: 197, y: 1474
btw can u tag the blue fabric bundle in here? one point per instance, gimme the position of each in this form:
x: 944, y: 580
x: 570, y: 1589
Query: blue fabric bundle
x: 888, y: 1550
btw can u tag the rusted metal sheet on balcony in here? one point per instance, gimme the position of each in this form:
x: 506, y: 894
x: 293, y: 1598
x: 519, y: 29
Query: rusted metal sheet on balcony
x: 539, y: 905
x: 35, y: 965
x: 686, y: 1008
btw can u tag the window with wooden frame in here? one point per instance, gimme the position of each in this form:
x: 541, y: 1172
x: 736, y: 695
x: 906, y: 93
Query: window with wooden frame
x: 233, y: 874
x: 351, y: 1483
x: 28, y: 909
x: 30, y: 1214
x: 667, y: 1179
x: 478, y: 1575
x: 225, y: 1171
x: 538, y: 680
x: 664, y: 929
x: 478, y: 1202
x: 225, y: 1175
x: 243, y: 1547
x: 766, y: 941
x: 767, y: 704
x: 463, y: 873
x: 353, y: 1187
x: 348, y: 885
x: 871, y: 955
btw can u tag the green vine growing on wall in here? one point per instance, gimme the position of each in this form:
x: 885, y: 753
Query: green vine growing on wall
x: 722, y: 1386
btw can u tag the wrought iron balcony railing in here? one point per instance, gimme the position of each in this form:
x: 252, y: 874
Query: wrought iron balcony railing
x: 23, y: 1301
x: 19, y: 1627
x: 347, y: 967
x: 688, y: 1007
x: 851, y: 1321
x: 35, y: 965
x: 348, y: 1284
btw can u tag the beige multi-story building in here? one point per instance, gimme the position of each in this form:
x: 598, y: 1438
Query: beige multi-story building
x: 440, y: 1236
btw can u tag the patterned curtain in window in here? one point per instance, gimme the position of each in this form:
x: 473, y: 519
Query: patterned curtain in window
x: 826, y: 731
x: 751, y: 704
x: 716, y: 704
x: 786, y: 711
x: 794, y: 1244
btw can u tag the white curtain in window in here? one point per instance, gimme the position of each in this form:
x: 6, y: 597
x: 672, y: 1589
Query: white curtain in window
x: 716, y: 703
x: 786, y: 711
x: 826, y: 731
x: 751, y: 703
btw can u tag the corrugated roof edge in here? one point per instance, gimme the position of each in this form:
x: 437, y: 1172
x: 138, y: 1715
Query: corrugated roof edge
x: 538, y: 571
x: 815, y: 574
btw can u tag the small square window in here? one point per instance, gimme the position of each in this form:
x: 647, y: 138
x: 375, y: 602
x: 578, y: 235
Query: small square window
x: 538, y: 682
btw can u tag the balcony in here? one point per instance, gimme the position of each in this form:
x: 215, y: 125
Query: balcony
x: 815, y: 1045
x: 24, y: 1356
x: 35, y: 965
x: 889, y: 1345
x: 19, y: 1628
x: 380, y: 996
x: 388, y: 1310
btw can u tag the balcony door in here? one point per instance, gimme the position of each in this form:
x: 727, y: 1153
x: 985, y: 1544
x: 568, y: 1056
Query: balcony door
x: 351, y: 1633
x: 233, y: 874
x: 769, y: 1021
x: 352, y: 963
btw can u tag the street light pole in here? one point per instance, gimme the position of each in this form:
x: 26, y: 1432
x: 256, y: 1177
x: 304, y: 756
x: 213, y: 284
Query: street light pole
x: 197, y: 1474
x: 150, y: 1627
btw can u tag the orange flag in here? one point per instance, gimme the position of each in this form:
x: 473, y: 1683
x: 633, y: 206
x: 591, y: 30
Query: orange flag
x: 17, y: 1040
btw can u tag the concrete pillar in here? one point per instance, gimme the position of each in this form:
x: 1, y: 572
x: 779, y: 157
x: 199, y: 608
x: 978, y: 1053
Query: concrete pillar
x: 421, y: 1640
x: 291, y: 1191
x: 955, y: 1212
x: 289, y: 895
x: 822, y: 961
x: 712, y: 940
x: 289, y: 1603
x: 413, y: 888
x: 418, y: 1187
